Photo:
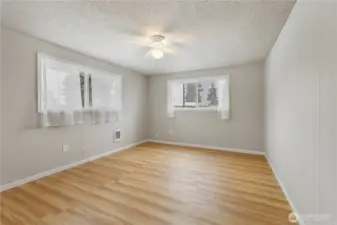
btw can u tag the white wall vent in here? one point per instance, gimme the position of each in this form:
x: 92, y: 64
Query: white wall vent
x: 117, y: 136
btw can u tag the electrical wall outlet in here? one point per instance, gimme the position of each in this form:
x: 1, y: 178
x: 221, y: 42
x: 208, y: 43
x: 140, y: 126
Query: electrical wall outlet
x: 65, y: 148
x: 170, y: 132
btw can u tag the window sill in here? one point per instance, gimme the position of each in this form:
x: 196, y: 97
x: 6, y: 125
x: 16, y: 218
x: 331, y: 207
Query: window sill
x: 212, y: 109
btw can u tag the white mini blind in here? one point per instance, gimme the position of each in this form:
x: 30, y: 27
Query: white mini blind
x: 66, y: 91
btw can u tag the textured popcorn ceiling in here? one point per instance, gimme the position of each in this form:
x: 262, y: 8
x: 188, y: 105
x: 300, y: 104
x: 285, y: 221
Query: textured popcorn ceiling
x: 201, y: 34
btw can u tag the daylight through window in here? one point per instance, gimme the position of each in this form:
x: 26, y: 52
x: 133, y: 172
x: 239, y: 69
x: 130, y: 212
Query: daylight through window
x: 209, y: 93
x: 66, y: 91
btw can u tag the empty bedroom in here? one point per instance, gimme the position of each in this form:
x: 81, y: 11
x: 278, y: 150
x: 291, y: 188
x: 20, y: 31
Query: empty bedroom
x: 181, y: 112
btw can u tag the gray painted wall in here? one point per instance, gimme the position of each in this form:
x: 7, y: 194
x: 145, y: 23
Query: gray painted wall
x: 244, y: 130
x: 28, y: 149
x: 300, y: 102
x: 0, y: 89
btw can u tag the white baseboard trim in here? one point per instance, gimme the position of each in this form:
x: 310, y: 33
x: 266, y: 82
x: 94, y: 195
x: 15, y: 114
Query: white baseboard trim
x: 253, y: 152
x: 291, y: 203
x: 64, y: 167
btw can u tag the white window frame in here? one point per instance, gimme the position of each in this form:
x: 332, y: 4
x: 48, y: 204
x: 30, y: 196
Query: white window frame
x: 197, y: 80
x: 45, y: 61
x: 41, y: 85
x: 92, y: 72
x: 171, y: 108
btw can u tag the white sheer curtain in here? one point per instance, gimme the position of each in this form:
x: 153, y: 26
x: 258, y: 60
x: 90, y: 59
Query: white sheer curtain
x: 66, y: 91
x: 223, y: 97
x: 105, y: 101
x: 170, y: 99
x: 59, y: 93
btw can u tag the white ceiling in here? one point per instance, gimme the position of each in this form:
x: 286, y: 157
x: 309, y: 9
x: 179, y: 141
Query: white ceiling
x: 202, y: 34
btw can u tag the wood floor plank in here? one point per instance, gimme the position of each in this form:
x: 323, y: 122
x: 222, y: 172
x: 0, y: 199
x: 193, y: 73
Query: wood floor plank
x: 153, y: 184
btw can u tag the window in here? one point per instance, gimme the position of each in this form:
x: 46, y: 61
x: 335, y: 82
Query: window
x: 196, y: 95
x: 66, y: 91
x: 209, y: 93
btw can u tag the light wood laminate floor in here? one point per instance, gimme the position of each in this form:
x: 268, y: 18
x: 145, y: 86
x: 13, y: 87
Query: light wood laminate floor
x: 153, y: 184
